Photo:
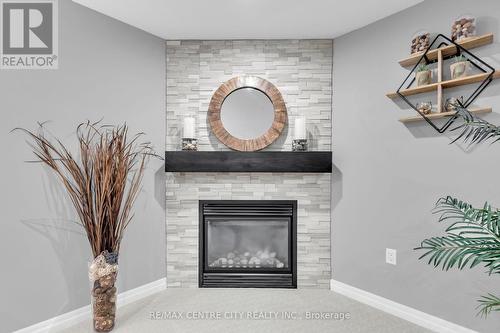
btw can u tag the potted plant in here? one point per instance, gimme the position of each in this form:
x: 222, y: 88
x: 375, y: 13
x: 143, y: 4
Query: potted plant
x: 460, y: 67
x: 102, y: 181
x: 423, y: 75
x: 472, y: 233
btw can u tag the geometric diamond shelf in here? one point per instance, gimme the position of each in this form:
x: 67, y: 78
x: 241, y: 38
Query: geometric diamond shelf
x: 446, y: 49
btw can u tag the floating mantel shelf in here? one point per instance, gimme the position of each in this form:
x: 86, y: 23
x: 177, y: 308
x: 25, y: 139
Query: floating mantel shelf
x: 235, y: 161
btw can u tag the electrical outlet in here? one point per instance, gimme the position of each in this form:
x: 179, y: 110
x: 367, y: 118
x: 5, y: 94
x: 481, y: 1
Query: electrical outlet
x: 390, y: 256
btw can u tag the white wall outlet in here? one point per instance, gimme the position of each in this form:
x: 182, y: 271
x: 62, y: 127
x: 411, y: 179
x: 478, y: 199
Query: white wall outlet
x: 390, y: 256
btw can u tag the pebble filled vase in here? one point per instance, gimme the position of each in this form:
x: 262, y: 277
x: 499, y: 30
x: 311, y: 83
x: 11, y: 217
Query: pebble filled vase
x: 102, y: 180
x: 463, y: 27
x: 102, y: 274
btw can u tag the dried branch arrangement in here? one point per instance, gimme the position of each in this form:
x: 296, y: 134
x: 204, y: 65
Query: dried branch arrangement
x: 102, y: 182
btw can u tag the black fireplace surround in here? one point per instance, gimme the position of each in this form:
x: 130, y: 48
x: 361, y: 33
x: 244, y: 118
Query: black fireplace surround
x: 248, y: 244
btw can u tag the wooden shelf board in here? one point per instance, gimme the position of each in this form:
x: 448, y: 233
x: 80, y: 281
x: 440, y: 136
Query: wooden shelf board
x: 468, y: 80
x: 449, y: 50
x: 444, y: 84
x: 415, y: 90
x: 238, y: 161
x: 440, y: 115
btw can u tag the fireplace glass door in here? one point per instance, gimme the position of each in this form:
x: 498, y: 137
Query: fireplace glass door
x: 247, y: 243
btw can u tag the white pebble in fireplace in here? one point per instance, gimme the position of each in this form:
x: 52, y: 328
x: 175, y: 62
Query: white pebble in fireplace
x: 257, y: 259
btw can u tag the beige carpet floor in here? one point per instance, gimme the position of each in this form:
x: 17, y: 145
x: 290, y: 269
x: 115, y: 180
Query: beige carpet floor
x: 252, y: 311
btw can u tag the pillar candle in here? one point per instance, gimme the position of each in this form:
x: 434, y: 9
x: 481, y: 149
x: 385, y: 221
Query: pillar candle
x: 188, y: 128
x: 300, y: 128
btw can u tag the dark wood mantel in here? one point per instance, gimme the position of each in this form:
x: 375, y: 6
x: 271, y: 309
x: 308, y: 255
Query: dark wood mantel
x: 261, y: 161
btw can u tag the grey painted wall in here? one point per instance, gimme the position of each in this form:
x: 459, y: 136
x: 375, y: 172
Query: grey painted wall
x: 107, y: 69
x: 390, y: 175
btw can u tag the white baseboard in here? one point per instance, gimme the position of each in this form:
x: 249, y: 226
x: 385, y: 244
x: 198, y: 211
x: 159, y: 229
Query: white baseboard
x: 74, y: 317
x: 399, y: 310
x: 138, y: 293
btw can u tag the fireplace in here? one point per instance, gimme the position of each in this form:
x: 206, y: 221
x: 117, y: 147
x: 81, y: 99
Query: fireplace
x: 248, y: 243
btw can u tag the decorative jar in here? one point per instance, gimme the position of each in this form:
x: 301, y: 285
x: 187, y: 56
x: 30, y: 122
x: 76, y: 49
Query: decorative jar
x: 420, y: 41
x: 424, y: 107
x: 102, y: 274
x: 463, y: 27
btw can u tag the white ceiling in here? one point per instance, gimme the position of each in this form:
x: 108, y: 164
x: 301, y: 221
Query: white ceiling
x: 248, y: 19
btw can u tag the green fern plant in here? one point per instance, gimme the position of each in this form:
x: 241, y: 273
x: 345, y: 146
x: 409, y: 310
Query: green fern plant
x: 423, y: 67
x: 473, y: 235
x: 460, y: 58
x: 475, y: 130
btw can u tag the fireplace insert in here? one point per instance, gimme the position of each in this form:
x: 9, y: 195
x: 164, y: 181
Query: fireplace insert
x: 248, y: 243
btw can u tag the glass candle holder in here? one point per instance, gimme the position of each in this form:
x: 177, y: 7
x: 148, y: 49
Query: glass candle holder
x: 300, y: 134
x: 189, y: 144
x: 299, y: 145
x: 424, y: 107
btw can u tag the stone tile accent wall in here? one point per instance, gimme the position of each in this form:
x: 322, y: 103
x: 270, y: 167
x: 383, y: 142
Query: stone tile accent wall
x: 312, y: 191
x: 302, y: 71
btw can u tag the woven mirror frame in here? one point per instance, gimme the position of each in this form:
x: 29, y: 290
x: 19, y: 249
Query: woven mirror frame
x: 214, y: 113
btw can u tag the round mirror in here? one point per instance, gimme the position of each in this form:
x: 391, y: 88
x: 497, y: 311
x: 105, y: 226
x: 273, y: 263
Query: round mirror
x: 247, y: 113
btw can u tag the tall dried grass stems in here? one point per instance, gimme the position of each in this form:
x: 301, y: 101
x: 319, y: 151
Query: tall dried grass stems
x: 102, y: 182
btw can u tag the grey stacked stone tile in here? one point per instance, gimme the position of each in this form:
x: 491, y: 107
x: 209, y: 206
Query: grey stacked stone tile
x: 302, y: 71
x: 312, y: 192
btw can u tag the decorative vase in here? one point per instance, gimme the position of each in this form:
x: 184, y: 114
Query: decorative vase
x: 463, y: 27
x: 452, y: 103
x: 424, y: 107
x: 423, y: 77
x: 420, y: 41
x: 102, y: 274
x: 459, y: 69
